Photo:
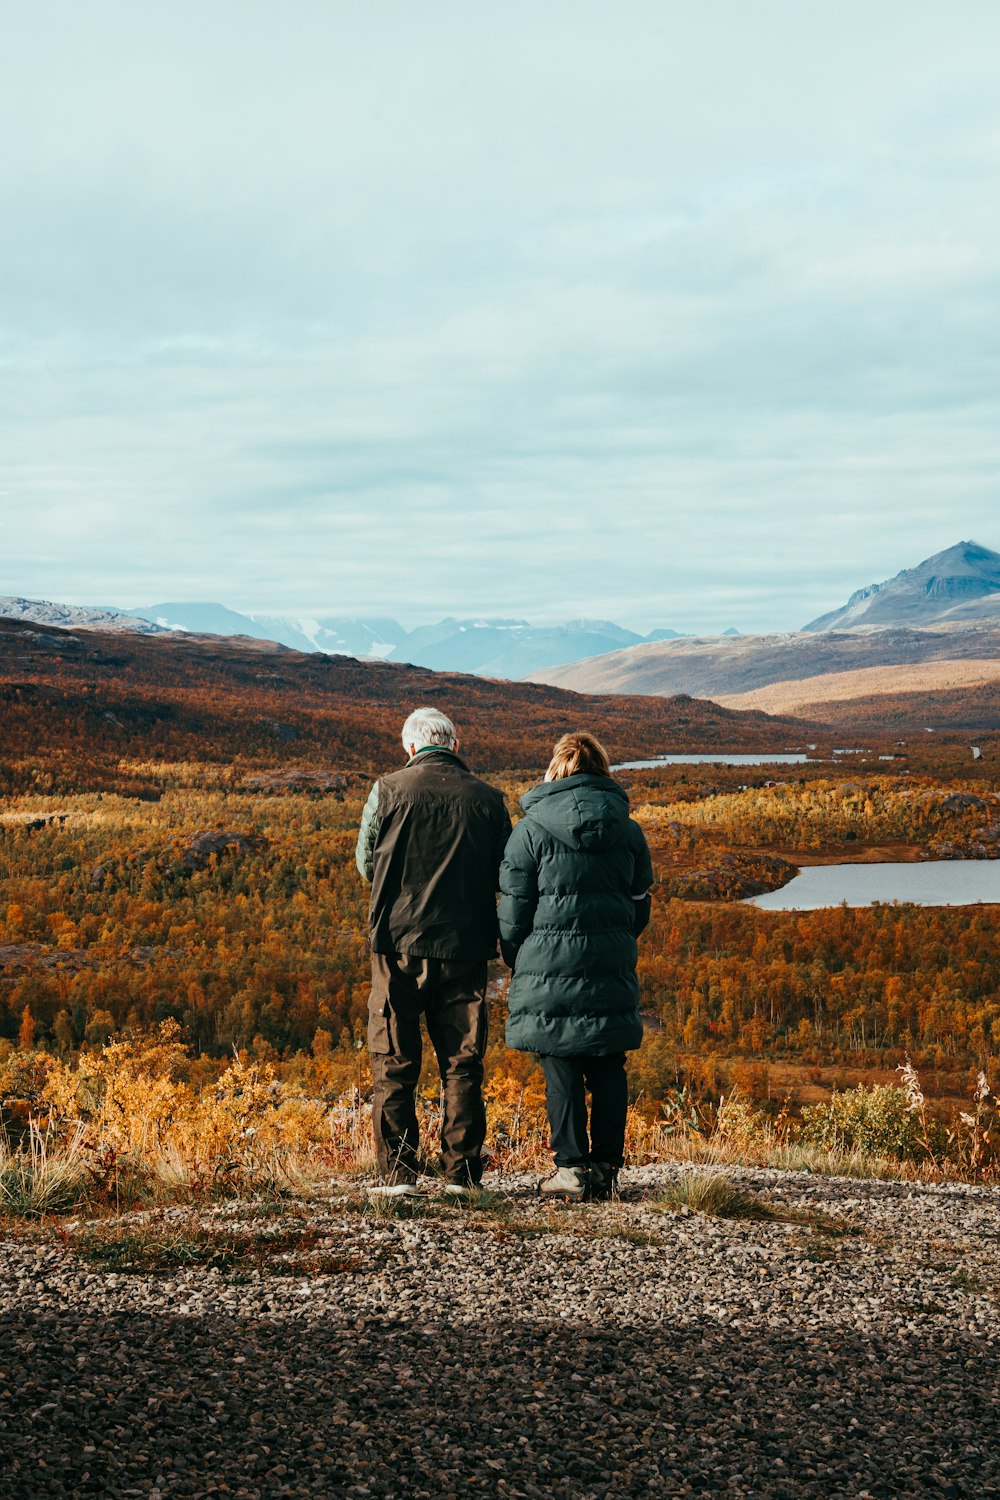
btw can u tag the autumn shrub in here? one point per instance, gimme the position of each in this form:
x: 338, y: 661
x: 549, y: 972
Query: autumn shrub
x: 741, y: 1127
x: 876, y: 1120
x: 134, y: 1123
x: 125, y: 1094
x: 141, y: 1130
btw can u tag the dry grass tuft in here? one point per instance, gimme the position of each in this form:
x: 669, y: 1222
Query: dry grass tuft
x: 714, y: 1194
x: 39, y: 1178
x: 381, y: 1208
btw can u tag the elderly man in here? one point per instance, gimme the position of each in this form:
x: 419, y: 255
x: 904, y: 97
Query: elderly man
x: 431, y: 841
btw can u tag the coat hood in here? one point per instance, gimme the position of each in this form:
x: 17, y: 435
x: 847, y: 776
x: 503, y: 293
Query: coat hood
x: 585, y: 812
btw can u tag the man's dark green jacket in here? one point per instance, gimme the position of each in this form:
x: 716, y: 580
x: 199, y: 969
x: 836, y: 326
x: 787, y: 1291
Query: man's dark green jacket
x: 431, y: 840
x: 575, y: 885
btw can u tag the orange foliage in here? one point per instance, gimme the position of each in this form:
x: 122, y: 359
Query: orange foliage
x: 116, y: 752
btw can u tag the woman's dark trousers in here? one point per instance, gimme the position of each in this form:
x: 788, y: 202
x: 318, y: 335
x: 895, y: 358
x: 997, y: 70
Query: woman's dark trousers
x: 567, y: 1082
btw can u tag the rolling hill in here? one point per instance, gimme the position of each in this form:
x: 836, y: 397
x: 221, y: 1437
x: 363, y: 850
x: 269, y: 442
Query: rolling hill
x: 716, y: 667
x: 77, y: 706
x: 820, y: 696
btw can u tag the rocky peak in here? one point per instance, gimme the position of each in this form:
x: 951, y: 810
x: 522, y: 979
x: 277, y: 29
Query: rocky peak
x: 960, y: 583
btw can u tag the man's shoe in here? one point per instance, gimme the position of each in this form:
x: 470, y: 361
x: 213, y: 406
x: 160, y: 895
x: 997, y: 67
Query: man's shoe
x: 603, y: 1181
x: 567, y: 1184
x: 394, y: 1190
x: 460, y: 1189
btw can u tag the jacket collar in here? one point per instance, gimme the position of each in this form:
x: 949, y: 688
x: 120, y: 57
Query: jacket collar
x: 436, y: 752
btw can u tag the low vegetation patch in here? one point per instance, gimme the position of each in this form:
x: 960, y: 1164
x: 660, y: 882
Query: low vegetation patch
x: 132, y: 1125
x: 379, y: 1208
x: 35, y: 1180
x: 714, y: 1194
x: 152, y: 1246
x: 718, y: 1196
x: 967, y: 1281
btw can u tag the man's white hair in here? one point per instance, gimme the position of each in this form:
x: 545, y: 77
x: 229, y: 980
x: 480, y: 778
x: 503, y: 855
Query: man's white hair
x: 428, y: 726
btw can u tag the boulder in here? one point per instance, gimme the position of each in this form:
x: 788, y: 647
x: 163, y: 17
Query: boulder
x: 216, y: 843
x: 956, y: 802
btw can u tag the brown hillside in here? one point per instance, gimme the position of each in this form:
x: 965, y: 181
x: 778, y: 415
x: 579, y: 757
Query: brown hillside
x: 724, y: 667
x: 806, y: 695
x: 973, y: 709
x: 76, y: 702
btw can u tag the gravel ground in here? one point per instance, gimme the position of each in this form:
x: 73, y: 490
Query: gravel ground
x: 606, y: 1350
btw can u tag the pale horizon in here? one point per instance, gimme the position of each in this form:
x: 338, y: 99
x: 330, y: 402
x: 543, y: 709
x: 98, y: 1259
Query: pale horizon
x: 411, y: 621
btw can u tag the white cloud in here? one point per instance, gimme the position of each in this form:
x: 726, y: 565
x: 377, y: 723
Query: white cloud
x: 684, y: 315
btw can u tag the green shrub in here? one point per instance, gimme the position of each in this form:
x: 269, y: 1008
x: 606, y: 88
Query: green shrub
x: 878, y: 1120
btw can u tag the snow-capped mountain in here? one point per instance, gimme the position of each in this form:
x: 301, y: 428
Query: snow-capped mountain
x: 508, y: 648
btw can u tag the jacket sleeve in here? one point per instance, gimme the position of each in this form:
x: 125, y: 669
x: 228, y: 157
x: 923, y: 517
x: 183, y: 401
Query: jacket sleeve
x: 364, y: 856
x: 642, y: 881
x: 504, y: 830
x: 518, y: 892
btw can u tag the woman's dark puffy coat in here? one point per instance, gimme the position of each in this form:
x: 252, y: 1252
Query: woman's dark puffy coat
x: 574, y: 881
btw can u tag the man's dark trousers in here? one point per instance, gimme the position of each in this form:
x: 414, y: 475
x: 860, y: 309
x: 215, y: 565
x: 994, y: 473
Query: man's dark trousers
x: 451, y: 994
x: 567, y: 1080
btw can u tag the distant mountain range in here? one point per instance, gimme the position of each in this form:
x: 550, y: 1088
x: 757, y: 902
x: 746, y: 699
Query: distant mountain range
x: 929, y: 628
x: 932, y: 630
x: 485, y: 648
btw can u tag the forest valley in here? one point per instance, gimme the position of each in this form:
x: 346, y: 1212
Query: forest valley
x: 183, y: 930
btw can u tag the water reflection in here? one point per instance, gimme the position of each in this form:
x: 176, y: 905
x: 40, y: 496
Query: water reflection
x: 766, y: 759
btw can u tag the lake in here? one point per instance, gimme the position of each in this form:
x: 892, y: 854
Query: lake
x: 942, y: 882
x: 713, y: 760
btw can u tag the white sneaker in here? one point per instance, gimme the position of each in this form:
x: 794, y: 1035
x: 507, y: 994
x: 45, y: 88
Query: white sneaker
x: 394, y: 1190
x: 459, y: 1189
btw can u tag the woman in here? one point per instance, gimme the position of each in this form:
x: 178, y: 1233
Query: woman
x: 575, y: 885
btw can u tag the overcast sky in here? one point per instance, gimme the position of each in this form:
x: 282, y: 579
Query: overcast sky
x: 682, y: 315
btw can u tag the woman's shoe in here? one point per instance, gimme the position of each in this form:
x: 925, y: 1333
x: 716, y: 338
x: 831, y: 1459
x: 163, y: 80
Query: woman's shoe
x: 603, y: 1181
x: 568, y: 1184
